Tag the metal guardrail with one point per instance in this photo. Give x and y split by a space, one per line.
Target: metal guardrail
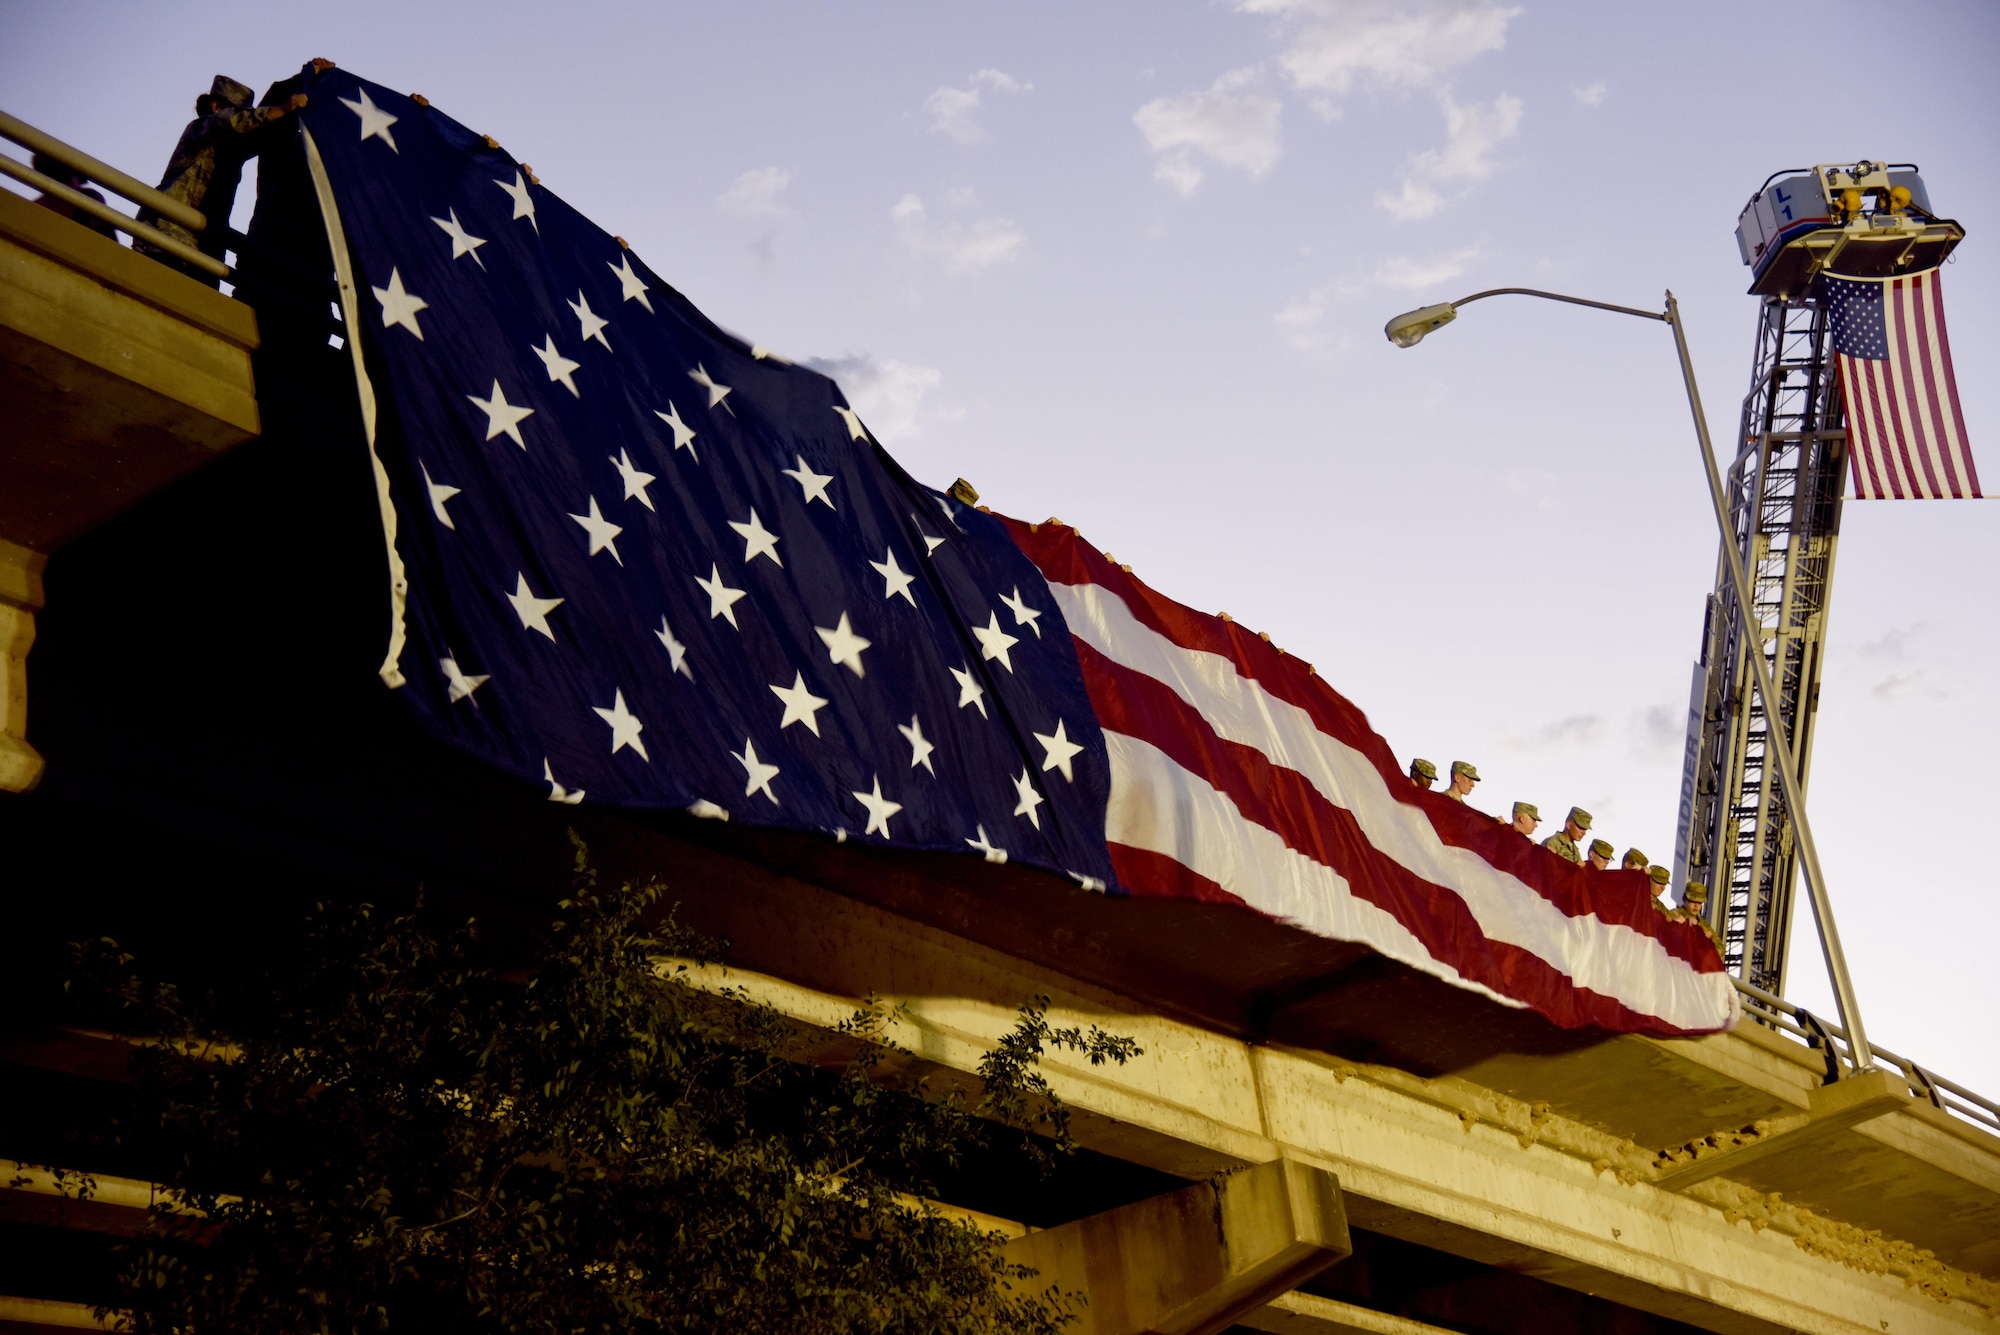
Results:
126 187
1831 1041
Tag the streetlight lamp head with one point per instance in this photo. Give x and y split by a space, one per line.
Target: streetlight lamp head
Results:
1407 330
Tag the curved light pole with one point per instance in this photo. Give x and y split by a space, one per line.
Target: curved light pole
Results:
1409 329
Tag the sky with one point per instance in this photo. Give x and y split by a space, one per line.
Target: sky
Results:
1128 264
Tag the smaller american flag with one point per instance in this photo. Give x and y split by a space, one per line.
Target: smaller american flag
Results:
1903 421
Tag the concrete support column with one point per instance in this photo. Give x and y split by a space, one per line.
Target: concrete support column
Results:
1195 1261
20 599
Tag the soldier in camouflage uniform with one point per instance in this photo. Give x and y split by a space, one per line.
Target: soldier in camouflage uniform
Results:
1634 860
207 166
1694 899
1463 776
1526 818
1600 855
1659 877
1563 842
1423 774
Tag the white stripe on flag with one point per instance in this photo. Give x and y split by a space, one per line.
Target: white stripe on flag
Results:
1608 958
1908 365
1951 431
1159 805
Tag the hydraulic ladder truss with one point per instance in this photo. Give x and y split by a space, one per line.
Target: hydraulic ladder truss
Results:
1785 489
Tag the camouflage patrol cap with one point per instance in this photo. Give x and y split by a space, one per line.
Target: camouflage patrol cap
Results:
227 90
1660 875
1601 848
1425 768
1527 809
1695 893
1459 767
1634 858
1579 817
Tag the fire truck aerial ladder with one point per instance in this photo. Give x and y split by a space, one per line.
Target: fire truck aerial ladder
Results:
1856 220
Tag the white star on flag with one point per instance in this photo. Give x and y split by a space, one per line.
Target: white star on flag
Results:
375 122
721 598
462 241
1024 788
630 285
1060 750
603 533
559 366
994 642
634 480
757 540
716 393
625 727
811 483
558 793
439 494
930 544
398 305
457 685
879 807
502 415
1024 615
760 774
593 325
920 745
855 431
843 646
801 705
970 692
984 846
524 203
683 434
894 577
533 611
676 651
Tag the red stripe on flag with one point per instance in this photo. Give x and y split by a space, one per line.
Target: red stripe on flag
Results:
1860 458
1150 875
1938 430
1889 444
1285 802
1065 558
1910 379
1961 447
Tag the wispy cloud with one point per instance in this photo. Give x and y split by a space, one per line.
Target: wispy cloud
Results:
959 246
1897 685
954 111
1336 47
1416 274
1301 321
1590 95
1474 132
1893 643
1574 730
1660 728
888 394
756 194
1230 122
1337 44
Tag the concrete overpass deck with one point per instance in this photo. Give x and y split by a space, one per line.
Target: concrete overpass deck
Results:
1719 1182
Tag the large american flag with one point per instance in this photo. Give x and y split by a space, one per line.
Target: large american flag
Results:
636 560
1906 435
